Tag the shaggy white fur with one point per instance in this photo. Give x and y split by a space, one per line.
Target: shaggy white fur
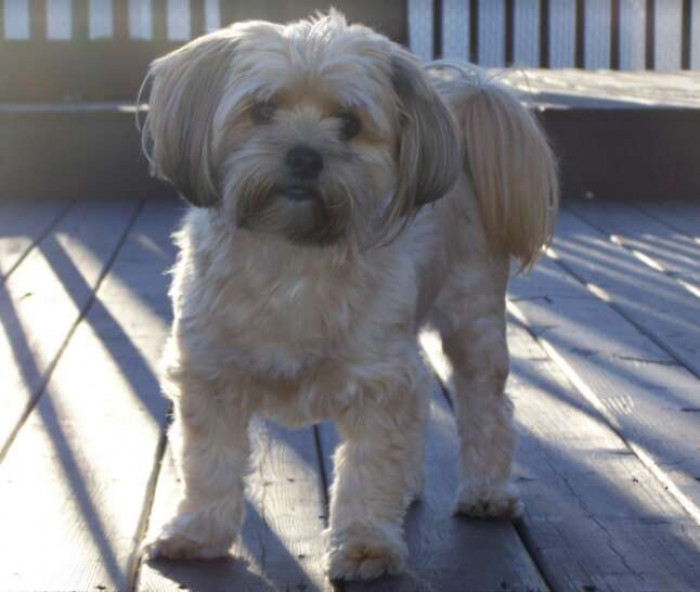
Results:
310 263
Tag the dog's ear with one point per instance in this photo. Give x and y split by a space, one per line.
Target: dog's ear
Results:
429 153
187 86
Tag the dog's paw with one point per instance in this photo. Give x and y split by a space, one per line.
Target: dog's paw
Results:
182 538
177 546
364 552
479 501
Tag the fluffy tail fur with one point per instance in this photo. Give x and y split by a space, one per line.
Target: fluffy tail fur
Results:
507 158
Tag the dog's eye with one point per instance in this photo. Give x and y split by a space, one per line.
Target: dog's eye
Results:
349 125
263 111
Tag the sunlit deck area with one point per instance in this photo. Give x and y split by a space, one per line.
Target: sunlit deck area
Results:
605 344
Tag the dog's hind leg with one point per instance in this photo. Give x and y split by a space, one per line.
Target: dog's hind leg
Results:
210 443
470 315
378 472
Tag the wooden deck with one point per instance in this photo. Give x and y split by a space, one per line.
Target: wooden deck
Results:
605 341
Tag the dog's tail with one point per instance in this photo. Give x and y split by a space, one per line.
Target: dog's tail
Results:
508 159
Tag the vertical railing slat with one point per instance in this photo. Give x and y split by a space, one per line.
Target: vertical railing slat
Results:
562 33
632 34
526 33
59 20
668 35
197 18
695 35
455 29
37 20
212 18
141 19
79 18
160 20
100 19
179 20
420 28
597 34
491 32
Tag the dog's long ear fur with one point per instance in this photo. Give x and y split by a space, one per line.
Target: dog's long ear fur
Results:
429 151
187 86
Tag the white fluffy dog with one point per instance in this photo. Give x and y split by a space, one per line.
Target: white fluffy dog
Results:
309 263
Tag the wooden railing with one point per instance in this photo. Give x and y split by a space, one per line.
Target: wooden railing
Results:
97 50
593 34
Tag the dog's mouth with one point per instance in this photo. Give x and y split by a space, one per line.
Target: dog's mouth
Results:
299 193
298 211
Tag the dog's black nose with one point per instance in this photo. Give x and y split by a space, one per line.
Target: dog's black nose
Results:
304 161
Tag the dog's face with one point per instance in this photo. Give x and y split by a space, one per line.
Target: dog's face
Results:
315 131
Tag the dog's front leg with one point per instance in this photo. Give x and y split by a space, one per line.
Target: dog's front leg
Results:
378 471
211 447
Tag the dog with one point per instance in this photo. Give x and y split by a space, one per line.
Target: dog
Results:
343 197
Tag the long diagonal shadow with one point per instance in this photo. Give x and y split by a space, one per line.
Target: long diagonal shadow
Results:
37 379
108 330
24 360
67 461
150 238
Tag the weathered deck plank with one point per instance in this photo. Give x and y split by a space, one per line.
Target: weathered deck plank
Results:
640 389
281 545
652 242
589 500
447 553
22 225
75 483
44 298
681 216
650 300
596 517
